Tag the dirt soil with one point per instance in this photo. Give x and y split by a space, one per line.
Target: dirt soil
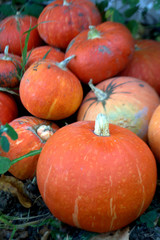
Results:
37 223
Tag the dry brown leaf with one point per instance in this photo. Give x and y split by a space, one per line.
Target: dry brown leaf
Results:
16 188
122 234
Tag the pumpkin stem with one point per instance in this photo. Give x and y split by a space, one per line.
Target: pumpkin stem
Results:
64 63
44 132
136 48
93 33
101 95
65 3
101 125
6 56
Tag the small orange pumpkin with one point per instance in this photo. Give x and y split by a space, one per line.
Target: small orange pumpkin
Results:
8 108
50 91
10 65
62 20
32 135
46 52
12 33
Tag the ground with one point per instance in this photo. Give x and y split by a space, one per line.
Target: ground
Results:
37 223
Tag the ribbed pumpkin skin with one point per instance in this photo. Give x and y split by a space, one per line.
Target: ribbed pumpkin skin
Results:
129 103
154 133
28 140
39 53
49 92
9 70
145 63
12 29
59 24
93 182
101 57
8 108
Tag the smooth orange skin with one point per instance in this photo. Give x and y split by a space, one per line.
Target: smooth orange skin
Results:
154 133
101 58
49 92
9 70
27 141
130 105
38 53
96 183
9 26
71 21
145 63
8 108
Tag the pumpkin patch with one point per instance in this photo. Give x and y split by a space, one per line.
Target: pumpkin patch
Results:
79 121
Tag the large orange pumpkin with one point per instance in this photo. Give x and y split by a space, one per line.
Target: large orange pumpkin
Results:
32 135
50 91
154 133
128 102
101 52
97 180
62 20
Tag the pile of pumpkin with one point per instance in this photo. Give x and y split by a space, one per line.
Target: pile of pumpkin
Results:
98 173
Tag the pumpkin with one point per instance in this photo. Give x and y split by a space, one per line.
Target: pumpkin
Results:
32 135
12 33
101 52
61 20
97 178
44 52
128 102
8 108
154 133
10 65
50 91
145 63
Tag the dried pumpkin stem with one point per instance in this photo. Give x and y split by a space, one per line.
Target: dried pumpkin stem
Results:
45 132
93 33
65 3
101 95
64 63
6 57
102 125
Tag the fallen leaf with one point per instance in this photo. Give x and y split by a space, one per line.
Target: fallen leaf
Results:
122 234
16 188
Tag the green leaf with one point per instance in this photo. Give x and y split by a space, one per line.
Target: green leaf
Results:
31 153
44 57
114 15
4 143
33 9
129 12
132 3
149 218
133 26
5 164
11 132
157 4
2 89
102 5
7 9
